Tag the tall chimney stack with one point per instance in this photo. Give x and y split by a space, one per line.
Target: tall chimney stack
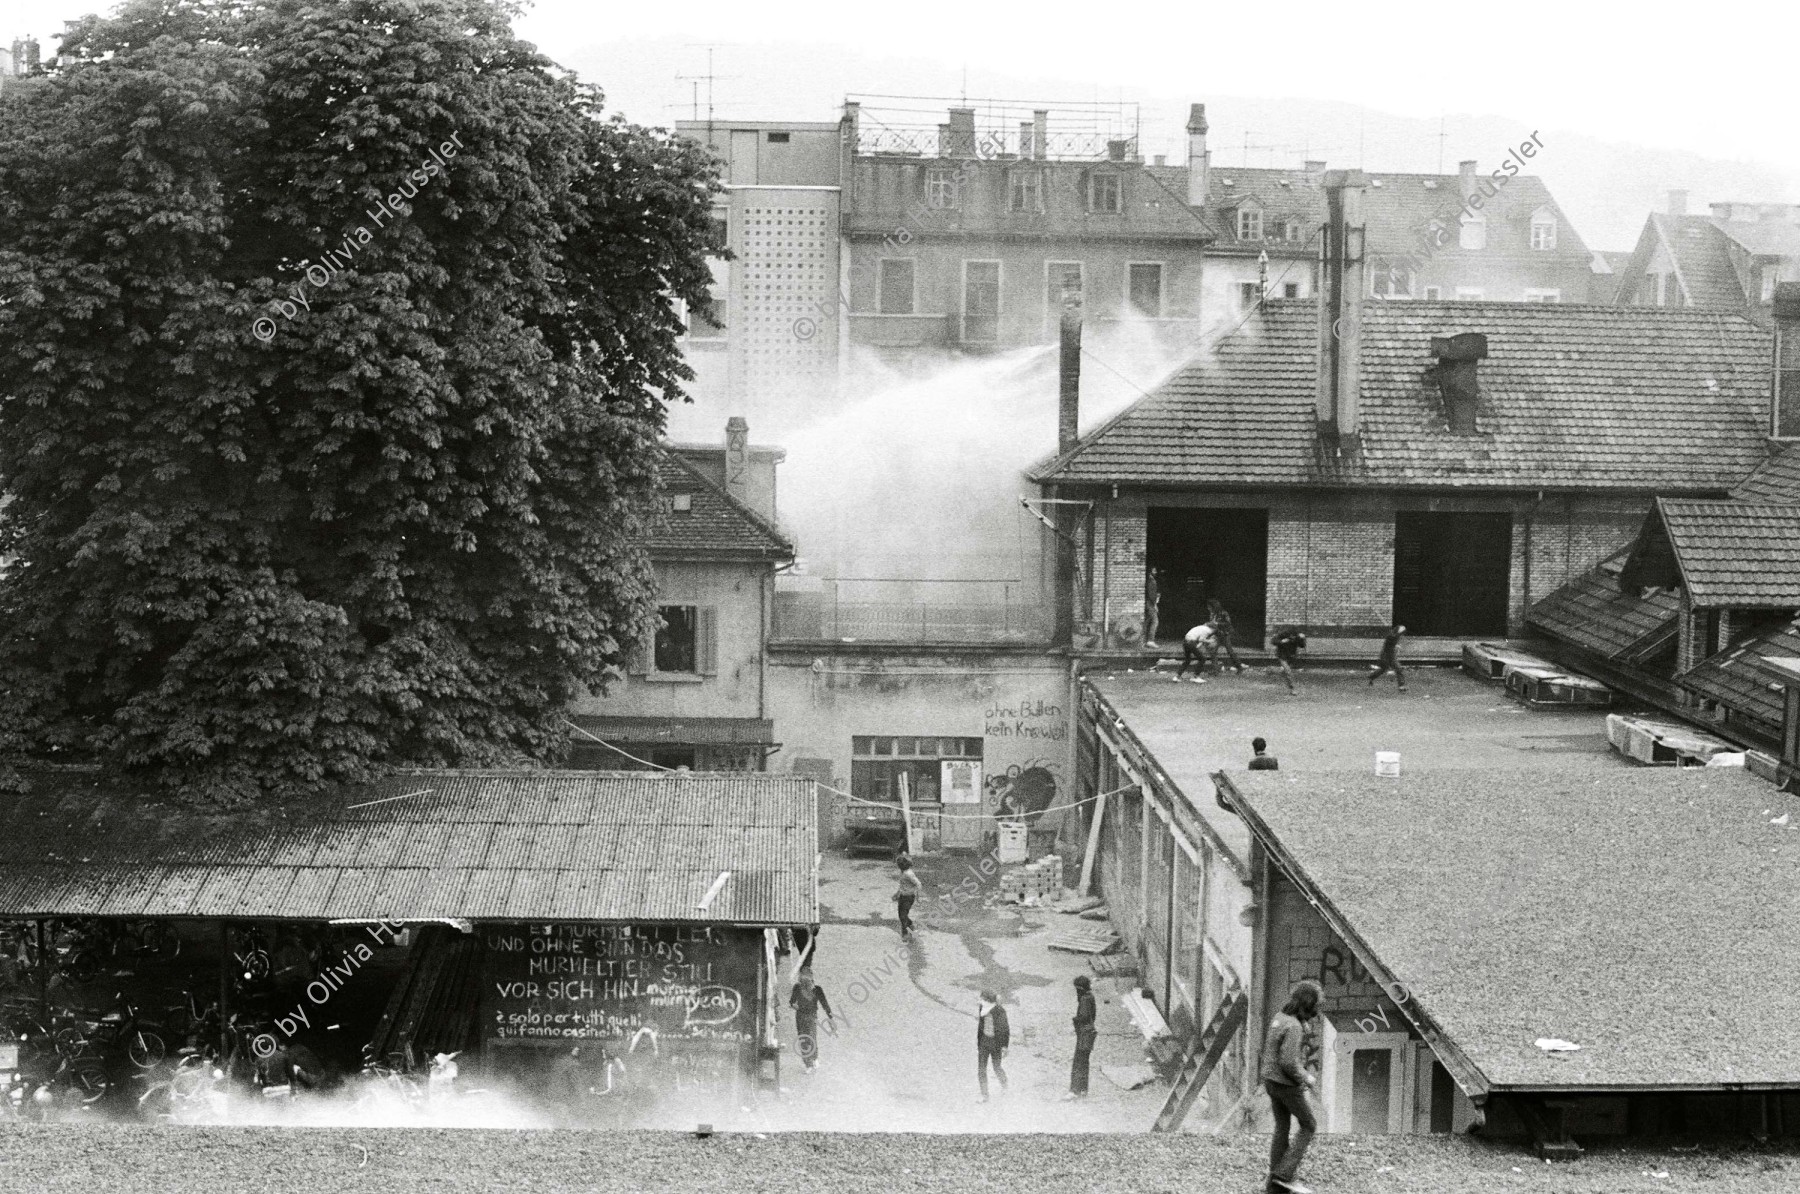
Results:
1343 282
1678 203
1025 154
1466 177
1199 160
1040 133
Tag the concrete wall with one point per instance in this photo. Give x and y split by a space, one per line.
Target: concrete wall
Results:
736 690
1331 556
1018 704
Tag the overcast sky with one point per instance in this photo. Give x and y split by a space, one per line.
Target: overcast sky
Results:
1700 88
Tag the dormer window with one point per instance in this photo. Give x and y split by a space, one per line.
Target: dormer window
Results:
1026 189
1249 223
1105 193
940 189
1543 229
1292 230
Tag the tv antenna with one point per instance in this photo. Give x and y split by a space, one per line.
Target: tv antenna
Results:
709 78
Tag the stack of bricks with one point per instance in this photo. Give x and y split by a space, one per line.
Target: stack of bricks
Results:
1042 879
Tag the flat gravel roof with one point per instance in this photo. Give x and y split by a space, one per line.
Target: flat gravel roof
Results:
1650 916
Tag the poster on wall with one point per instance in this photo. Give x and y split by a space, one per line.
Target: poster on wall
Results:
960 781
673 1002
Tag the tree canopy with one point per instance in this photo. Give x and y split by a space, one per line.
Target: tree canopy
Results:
334 345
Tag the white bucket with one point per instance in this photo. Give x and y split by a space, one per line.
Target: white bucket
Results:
1387 762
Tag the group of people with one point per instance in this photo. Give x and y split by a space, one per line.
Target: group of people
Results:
1201 646
993 1032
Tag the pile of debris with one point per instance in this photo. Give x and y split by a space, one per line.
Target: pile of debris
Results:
1035 882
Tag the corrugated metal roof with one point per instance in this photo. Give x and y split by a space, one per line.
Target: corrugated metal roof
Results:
517 846
678 731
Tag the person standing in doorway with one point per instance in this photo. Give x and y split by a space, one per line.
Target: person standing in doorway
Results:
1288 645
1085 1035
1198 647
1260 761
992 1036
808 999
1389 659
906 893
1152 604
1289 1084
1220 621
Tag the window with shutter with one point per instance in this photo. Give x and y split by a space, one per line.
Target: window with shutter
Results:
677 639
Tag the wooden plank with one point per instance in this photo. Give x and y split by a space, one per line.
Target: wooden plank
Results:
1093 846
1202 1060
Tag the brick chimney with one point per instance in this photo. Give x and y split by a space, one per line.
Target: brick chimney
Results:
1678 203
1456 380
1466 178
1199 160
1025 129
961 134
1343 283
1040 133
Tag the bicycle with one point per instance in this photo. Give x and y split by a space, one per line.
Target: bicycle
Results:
119 1030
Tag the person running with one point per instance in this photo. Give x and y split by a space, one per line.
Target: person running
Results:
807 999
1152 605
1260 761
1288 1084
1085 1035
1287 646
910 885
992 1036
1389 659
1198 646
1220 621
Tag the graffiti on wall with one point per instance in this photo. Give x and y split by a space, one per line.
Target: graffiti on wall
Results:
1023 791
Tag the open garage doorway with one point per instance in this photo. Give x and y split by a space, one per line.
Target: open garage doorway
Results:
1209 552
1452 573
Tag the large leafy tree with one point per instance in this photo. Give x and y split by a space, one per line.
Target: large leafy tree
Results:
334 343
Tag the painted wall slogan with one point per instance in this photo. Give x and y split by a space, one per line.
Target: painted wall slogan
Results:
658 990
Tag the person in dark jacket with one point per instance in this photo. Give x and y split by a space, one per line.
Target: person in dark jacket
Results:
1084 1037
1288 1084
1389 659
1260 761
1152 605
1221 624
1288 645
808 999
992 1036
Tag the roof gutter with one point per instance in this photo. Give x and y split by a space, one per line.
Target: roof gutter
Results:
1465 1072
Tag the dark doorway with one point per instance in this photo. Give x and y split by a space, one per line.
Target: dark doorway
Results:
1371 1090
1204 553
1452 573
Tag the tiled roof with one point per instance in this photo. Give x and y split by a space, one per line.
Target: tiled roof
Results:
473 845
1591 612
1741 679
1701 258
716 525
1573 397
1649 916
1777 479
1734 554
1398 209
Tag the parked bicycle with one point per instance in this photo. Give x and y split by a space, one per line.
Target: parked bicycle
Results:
119 1031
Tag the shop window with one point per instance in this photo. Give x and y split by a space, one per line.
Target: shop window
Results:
898 285
1145 286
877 763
